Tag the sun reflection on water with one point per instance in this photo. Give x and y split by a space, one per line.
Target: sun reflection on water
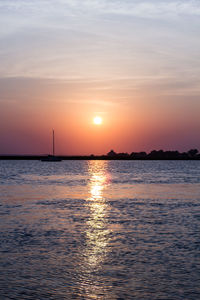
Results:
97 231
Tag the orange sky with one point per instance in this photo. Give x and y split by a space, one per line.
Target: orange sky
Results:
140 122
135 65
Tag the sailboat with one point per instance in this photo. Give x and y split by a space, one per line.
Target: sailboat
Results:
52 157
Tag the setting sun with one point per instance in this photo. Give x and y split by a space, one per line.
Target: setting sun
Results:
97 120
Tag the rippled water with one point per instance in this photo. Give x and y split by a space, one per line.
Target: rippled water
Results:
100 230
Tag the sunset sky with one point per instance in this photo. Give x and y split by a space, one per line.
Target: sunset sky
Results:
134 63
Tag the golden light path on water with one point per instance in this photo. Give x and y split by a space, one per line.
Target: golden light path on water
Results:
97 232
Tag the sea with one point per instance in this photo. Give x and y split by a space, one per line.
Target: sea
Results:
100 230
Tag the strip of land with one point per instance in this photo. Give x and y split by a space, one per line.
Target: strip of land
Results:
192 154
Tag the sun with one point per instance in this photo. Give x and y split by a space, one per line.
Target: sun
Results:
97 120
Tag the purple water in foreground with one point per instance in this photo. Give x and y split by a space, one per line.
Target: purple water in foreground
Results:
100 230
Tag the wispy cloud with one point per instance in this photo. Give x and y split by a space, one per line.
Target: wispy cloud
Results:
91 39
154 8
142 8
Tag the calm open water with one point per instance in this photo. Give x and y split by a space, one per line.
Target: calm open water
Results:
100 230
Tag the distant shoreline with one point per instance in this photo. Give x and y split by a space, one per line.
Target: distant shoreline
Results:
102 157
192 154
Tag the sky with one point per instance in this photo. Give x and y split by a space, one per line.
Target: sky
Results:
134 63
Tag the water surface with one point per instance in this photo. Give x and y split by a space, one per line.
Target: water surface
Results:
100 230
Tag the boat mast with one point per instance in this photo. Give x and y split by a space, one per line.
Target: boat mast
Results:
53 144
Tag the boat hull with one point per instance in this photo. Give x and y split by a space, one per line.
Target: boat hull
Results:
51 158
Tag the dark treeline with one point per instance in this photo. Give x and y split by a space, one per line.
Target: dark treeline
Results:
157 154
192 154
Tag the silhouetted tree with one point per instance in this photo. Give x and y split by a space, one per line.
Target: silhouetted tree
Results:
138 155
192 153
111 153
122 154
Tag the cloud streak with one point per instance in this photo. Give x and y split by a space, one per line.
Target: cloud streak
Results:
140 8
